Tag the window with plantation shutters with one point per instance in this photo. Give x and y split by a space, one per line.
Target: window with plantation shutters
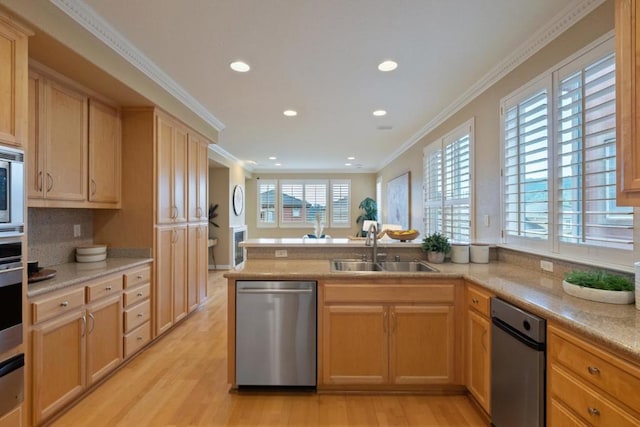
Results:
447 185
267 196
586 157
340 203
526 169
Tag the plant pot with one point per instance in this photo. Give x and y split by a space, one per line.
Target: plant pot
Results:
435 257
599 295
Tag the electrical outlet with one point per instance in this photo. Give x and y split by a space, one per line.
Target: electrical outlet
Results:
546 266
281 253
486 221
77 231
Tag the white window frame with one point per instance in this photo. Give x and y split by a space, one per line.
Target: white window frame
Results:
259 222
334 223
467 128
551 78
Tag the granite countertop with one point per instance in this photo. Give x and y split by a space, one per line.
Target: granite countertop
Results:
614 326
73 273
324 243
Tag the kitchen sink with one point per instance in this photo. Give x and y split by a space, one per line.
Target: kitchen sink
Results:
390 266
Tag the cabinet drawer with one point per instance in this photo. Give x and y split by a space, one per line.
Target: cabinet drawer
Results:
616 377
479 300
104 287
137 339
63 302
559 416
441 293
137 315
136 277
134 296
587 403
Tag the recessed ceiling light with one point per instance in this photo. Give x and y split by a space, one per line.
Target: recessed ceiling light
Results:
351 158
252 162
278 164
387 65
290 113
347 164
379 113
240 66
272 158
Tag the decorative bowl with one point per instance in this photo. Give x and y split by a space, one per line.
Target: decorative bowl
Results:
599 295
403 235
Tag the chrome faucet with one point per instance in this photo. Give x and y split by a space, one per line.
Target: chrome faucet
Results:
373 230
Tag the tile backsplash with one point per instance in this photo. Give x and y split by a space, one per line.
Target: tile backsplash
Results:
50 234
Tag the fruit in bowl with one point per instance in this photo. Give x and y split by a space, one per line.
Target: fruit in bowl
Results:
403 235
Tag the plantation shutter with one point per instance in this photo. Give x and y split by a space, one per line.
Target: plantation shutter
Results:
267 191
340 201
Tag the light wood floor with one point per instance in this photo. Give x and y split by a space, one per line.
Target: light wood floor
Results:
181 381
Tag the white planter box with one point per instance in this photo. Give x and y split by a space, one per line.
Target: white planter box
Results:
599 295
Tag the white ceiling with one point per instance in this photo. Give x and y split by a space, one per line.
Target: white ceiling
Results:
319 57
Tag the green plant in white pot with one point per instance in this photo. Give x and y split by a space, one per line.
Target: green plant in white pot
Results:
436 246
599 286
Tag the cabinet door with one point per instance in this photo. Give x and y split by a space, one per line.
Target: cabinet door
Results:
59 367
180 174
35 140
192 267
13 75
179 249
198 177
66 143
164 280
104 153
202 273
422 344
355 344
203 181
164 131
12 419
478 358
104 337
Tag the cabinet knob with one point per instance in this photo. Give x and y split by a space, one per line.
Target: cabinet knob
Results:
593 411
108 288
475 300
593 370
64 303
139 294
140 314
139 276
139 338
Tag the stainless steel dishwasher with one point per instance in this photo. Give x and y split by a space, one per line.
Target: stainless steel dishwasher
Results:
275 333
517 366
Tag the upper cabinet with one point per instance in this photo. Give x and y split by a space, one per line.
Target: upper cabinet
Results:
74 147
198 167
171 170
13 84
627 103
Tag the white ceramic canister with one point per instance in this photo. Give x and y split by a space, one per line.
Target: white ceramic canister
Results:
479 253
637 269
460 253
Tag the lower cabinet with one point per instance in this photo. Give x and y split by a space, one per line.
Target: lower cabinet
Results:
197 237
12 419
588 385
386 340
478 345
104 337
171 277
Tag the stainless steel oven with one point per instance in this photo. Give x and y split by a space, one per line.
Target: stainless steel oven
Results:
10 295
11 192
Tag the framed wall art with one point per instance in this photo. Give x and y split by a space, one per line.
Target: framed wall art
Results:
399 201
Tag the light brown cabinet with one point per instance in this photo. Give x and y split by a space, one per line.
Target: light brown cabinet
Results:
478 345
171 278
104 336
13 82
198 179
104 153
13 418
171 170
588 385
627 102
57 142
388 334
197 265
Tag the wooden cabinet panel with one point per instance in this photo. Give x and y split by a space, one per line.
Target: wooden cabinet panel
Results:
422 344
104 337
35 140
137 339
12 419
179 249
164 281
136 295
479 300
13 84
355 344
364 293
202 272
137 315
180 174
103 287
198 177
59 363
66 143
478 358
137 276
61 302
558 415
171 171
197 265
104 153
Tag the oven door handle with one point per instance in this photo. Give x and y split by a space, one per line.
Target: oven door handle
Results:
10 276
11 365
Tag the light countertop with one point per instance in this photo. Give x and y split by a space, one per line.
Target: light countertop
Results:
614 326
325 243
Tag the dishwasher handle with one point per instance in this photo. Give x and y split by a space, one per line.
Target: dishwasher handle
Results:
274 291
539 346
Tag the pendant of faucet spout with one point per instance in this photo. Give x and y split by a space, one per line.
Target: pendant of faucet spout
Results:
372 231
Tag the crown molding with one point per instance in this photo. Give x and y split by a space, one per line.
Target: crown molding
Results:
85 16
562 22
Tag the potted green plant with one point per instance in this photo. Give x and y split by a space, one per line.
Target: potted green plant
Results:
370 208
436 245
599 286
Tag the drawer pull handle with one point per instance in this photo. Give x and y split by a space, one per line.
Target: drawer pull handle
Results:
64 304
593 411
139 338
593 370
139 294
140 314
108 288
475 300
